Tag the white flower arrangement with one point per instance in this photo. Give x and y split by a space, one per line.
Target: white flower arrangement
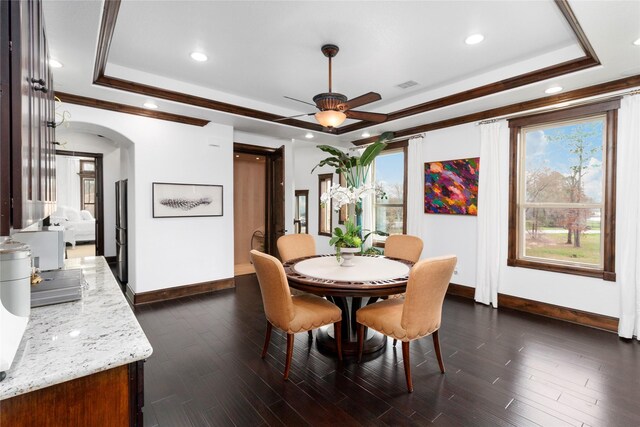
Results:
349 195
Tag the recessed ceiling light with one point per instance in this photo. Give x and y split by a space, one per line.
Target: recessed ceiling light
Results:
474 39
309 135
637 42
55 63
150 105
237 155
198 56
257 158
554 89
366 134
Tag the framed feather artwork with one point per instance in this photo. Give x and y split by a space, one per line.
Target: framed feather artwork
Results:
186 200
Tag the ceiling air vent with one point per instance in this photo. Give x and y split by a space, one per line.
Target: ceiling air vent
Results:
407 84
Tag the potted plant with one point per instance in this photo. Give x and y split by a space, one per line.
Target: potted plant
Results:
355 170
347 242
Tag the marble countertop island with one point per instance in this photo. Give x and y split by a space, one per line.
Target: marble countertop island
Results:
71 340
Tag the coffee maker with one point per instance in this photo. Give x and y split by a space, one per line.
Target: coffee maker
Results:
15 299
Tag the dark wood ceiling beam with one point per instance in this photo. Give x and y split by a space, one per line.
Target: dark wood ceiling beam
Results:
197 101
568 14
128 109
107 28
482 91
601 89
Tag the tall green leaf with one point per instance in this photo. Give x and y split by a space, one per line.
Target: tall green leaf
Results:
374 149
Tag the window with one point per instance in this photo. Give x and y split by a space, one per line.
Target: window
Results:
562 191
302 206
88 186
389 171
324 212
342 213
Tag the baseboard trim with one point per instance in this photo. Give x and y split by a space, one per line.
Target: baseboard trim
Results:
110 259
571 315
461 290
182 291
129 294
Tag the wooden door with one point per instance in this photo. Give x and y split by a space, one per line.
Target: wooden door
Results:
277 200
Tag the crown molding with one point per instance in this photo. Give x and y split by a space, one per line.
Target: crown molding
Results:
107 28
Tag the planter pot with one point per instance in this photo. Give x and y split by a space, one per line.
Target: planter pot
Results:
347 255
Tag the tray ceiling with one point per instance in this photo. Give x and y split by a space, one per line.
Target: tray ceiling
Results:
260 51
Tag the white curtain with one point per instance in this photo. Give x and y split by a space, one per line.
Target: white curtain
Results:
367 212
68 181
490 200
628 208
415 189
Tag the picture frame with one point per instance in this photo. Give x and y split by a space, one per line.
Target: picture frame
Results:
173 200
451 186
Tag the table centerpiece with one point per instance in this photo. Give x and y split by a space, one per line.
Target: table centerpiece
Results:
355 170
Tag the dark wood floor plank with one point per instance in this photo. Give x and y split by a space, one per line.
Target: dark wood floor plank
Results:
170 412
504 368
287 415
535 415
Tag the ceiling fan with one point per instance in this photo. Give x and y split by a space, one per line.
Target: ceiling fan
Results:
335 107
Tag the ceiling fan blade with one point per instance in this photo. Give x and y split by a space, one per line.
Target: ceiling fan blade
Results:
304 102
293 117
358 101
369 117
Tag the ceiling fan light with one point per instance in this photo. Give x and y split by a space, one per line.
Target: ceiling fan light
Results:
330 118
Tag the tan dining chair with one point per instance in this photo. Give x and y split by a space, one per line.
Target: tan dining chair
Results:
403 246
292 246
417 315
288 313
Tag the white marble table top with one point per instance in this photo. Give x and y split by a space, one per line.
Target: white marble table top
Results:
67 341
365 269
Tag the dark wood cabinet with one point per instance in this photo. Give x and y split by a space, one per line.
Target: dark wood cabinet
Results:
114 397
27 163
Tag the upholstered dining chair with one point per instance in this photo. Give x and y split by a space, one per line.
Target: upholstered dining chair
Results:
288 313
292 246
417 315
403 246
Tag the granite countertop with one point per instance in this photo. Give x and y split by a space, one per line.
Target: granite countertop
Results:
67 341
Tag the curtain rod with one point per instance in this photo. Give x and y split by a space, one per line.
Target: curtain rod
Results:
401 138
560 106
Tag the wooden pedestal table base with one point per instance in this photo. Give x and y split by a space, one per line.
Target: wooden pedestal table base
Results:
369 279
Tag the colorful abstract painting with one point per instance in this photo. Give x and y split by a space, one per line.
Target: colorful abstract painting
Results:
451 187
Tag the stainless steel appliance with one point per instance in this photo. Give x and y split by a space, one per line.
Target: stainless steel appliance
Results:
57 286
15 299
121 232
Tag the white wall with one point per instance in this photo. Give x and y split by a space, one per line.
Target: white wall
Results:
89 143
306 156
458 234
169 252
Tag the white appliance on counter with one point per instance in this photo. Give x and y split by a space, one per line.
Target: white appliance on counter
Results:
15 299
47 247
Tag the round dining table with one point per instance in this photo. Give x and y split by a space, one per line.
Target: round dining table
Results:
370 278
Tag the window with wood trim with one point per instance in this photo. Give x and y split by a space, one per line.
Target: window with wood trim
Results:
390 172
325 218
562 190
88 186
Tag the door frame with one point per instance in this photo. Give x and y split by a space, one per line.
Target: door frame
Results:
99 195
270 154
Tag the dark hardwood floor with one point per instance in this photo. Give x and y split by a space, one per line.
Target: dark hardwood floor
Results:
503 368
